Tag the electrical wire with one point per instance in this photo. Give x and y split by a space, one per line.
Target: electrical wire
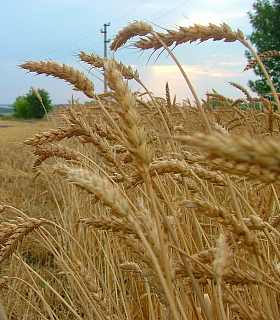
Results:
80 37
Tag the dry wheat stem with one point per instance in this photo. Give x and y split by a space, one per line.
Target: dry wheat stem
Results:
88 258
2 312
165 288
185 262
263 294
64 261
274 93
28 302
31 271
198 103
164 254
240 308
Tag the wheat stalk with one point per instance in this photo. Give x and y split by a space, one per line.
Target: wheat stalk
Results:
2 311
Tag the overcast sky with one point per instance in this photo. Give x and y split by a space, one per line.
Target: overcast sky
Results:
59 29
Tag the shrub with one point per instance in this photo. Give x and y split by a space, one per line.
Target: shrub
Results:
35 104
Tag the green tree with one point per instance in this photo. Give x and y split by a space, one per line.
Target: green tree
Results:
265 20
21 107
30 106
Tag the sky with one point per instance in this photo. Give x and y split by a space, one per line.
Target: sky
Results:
58 30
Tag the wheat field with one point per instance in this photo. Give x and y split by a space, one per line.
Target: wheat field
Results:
133 206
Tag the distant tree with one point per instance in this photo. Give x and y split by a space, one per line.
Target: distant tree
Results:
30 106
265 20
21 107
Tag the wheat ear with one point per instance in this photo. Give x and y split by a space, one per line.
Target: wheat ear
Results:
22 228
50 136
62 71
262 56
137 28
103 188
98 62
136 137
264 153
54 150
190 34
223 255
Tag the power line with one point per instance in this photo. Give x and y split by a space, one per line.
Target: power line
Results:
72 40
84 35
165 14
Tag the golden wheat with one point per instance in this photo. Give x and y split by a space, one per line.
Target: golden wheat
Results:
263 56
175 214
62 71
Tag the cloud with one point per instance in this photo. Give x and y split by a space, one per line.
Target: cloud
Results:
230 63
204 12
173 71
203 78
204 18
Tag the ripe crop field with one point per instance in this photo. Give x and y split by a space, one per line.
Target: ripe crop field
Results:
135 207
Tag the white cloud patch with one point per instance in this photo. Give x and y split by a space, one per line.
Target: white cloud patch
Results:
230 63
204 12
173 71
204 18
204 79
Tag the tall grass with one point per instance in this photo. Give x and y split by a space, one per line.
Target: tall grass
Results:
160 210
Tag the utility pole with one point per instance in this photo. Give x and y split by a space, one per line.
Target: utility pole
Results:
105 49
